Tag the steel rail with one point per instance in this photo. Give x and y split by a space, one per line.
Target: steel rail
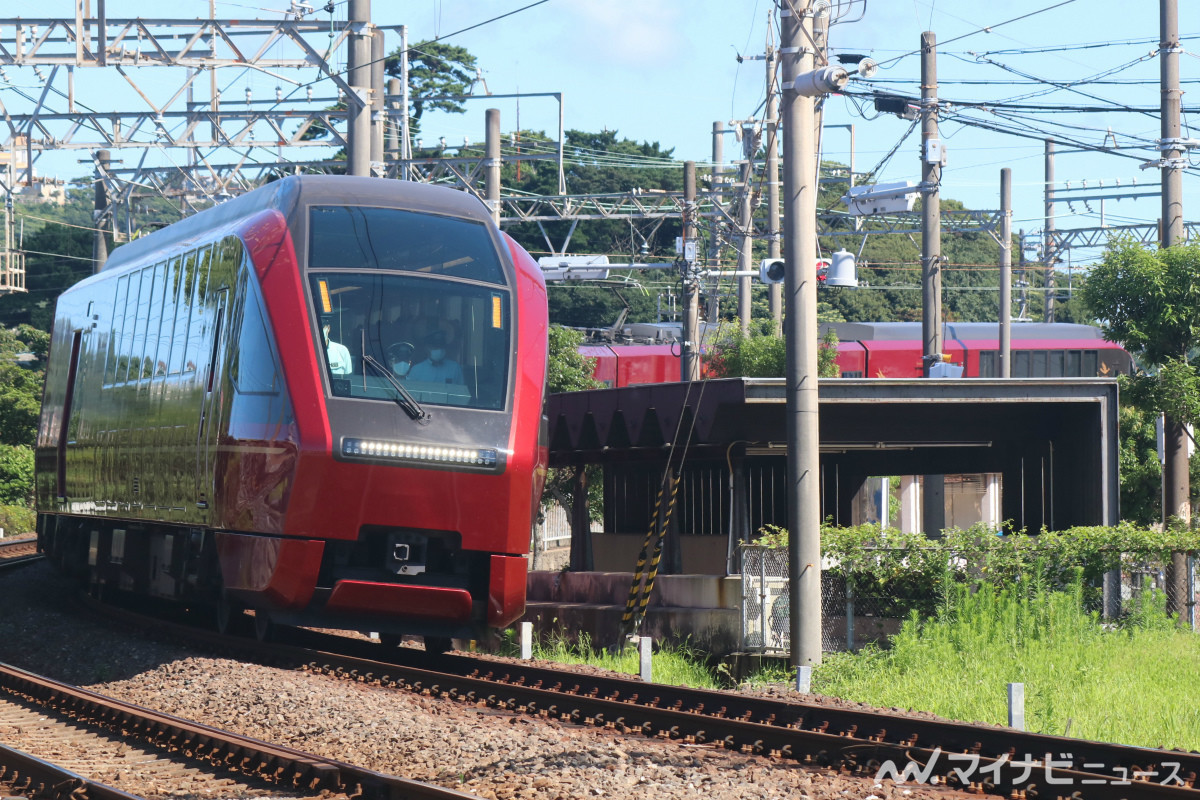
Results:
26 776
18 552
201 743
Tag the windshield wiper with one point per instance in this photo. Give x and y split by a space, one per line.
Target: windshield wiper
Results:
403 398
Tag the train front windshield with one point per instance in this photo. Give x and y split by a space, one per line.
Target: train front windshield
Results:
410 297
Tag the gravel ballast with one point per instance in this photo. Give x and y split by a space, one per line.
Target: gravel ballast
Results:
489 753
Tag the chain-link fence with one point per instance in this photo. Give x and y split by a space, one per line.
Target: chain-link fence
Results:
852 616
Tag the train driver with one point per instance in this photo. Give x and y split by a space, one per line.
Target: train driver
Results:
400 358
339 355
437 368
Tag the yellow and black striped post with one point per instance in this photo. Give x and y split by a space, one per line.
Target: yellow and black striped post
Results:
635 609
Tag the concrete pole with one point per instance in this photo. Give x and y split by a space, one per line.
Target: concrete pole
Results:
101 34
492 143
1048 253
1005 273
931 210
405 131
99 243
745 229
800 328
358 73
689 351
718 156
1176 489
1022 280
378 118
391 144
775 290
1172 152
718 198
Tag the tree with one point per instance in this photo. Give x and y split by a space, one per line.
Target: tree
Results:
1149 301
58 257
20 386
16 475
764 356
436 73
568 369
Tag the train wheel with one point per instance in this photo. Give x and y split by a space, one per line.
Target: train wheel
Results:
438 644
264 627
230 616
390 640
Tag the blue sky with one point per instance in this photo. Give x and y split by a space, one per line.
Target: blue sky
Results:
664 70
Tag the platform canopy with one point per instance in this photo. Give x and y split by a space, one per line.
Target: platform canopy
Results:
1053 440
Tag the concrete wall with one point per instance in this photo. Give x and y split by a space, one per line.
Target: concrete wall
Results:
614 552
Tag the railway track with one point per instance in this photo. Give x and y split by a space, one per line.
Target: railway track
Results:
17 552
106 749
980 759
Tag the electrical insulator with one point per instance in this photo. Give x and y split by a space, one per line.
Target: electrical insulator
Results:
278 94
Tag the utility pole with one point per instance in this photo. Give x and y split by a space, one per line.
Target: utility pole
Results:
492 175
775 296
689 361
797 117
1177 502
358 107
1005 273
392 143
405 133
1048 254
745 226
931 210
378 118
717 186
1022 280
933 486
100 215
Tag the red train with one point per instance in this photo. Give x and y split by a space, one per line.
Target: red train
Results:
321 400
894 350
1039 350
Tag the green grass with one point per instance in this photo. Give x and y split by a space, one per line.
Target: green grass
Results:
1134 684
673 665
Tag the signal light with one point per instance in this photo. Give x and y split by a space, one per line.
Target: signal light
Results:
772 270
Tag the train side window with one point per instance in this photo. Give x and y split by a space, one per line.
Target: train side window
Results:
252 368
166 335
1021 364
1057 359
140 321
226 258
1039 364
1091 363
180 284
987 364
1074 363
114 337
195 281
154 320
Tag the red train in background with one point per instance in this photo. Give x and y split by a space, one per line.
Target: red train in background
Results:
892 350
321 400
1039 350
